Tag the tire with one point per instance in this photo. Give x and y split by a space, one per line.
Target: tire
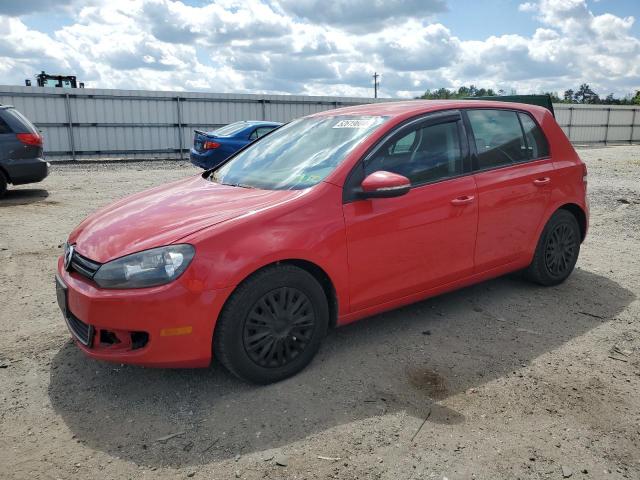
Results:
279 313
3 184
557 250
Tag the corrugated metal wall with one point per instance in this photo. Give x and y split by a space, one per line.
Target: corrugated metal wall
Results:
95 123
593 124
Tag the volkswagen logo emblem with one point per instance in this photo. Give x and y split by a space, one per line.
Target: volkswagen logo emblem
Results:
68 255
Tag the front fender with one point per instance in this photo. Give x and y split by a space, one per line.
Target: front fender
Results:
309 228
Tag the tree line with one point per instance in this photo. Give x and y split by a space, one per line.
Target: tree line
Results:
583 94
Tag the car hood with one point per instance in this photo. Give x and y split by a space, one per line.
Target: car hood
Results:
166 214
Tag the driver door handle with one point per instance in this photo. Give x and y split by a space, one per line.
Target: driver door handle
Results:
463 200
540 182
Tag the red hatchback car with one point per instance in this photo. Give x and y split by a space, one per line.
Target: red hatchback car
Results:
330 218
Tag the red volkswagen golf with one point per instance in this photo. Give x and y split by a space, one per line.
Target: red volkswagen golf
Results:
331 218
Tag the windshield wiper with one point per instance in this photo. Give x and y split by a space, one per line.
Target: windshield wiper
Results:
237 184
241 185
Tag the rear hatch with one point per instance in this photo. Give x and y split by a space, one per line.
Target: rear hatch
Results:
16 126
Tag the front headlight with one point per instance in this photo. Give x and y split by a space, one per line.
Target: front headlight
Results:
146 269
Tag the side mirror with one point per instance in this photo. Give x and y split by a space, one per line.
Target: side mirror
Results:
382 184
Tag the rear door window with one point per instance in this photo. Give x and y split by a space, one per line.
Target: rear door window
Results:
499 138
259 132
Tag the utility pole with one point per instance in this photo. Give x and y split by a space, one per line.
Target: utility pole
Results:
375 84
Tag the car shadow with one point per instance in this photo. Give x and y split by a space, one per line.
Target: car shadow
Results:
23 196
405 360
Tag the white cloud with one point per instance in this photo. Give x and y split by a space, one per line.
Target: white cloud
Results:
285 46
415 47
358 15
527 7
22 46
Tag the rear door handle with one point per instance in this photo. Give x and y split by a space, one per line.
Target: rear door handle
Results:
539 182
464 200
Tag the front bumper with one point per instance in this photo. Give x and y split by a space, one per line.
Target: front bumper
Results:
167 326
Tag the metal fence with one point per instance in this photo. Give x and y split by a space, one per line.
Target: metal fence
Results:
599 124
96 124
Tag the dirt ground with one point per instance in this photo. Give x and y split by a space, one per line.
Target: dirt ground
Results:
502 380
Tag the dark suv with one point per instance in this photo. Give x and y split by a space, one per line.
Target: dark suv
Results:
20 150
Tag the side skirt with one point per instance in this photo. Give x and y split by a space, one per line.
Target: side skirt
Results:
423 295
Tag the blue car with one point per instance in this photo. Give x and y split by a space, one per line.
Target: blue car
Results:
210 149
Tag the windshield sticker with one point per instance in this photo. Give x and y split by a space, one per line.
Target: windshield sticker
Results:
305 177
355 123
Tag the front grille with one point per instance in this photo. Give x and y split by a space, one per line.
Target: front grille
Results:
80 330
83 265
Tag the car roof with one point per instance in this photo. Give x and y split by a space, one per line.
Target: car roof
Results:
259 122
411 108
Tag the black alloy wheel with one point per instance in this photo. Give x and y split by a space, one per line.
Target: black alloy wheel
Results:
272 325
278 327
561 250
557 250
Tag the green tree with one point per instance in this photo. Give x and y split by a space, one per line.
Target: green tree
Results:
465 91
461 92
568 96
586 95
611 100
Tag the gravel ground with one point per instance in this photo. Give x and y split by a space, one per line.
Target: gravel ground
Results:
500 380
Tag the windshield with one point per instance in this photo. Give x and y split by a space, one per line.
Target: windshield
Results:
230 129
297 155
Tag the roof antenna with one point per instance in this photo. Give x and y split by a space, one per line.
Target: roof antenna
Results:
375 84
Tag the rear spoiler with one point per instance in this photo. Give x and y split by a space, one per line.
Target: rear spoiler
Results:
206 134
539 100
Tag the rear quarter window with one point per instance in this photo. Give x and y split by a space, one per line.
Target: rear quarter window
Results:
4 128
537 144
20 123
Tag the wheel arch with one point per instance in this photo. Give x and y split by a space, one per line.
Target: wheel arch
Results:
324 280
580 215
575 209
315 270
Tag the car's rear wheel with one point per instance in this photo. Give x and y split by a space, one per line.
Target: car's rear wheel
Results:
3 183
557 250
272 325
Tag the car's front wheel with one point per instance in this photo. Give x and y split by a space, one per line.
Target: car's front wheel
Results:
272 325
557 250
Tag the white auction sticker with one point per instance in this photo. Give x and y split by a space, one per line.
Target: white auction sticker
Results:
355 123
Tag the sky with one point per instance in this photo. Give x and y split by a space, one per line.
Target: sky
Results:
325 47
